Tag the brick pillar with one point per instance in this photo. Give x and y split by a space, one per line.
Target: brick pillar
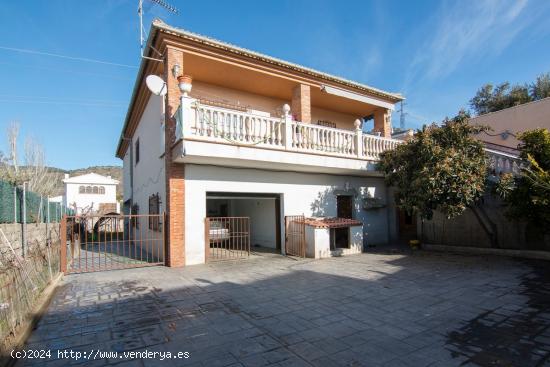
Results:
175 178
301 103
382 122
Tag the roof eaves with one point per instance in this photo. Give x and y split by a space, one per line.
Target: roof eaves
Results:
272 60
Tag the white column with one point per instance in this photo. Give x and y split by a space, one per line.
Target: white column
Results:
287 119
358 138
186 117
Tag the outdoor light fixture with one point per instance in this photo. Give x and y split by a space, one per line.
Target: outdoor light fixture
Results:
176 70
185 84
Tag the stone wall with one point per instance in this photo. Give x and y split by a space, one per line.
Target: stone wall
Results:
36 235
23 278
477 229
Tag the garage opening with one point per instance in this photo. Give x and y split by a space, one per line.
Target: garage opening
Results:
240 223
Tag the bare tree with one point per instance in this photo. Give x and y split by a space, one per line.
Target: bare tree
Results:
34 172
9 164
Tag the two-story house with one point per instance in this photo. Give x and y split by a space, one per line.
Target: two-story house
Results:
243 135
90 193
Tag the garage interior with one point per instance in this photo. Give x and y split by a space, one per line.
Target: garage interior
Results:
263 211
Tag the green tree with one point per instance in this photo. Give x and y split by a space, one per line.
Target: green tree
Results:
442 168
528 195
491 99
541 87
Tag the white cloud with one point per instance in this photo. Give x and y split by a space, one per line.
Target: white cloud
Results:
463 31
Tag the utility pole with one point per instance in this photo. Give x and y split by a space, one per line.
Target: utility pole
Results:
402 115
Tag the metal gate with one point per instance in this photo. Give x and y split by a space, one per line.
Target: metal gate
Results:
227 238
295 235
112 241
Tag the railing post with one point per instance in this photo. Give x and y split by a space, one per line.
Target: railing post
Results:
63 245
185 118
287 119
358 138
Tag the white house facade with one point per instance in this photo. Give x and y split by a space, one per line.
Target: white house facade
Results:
91 193
254 141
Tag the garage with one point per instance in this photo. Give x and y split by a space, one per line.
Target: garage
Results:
240 223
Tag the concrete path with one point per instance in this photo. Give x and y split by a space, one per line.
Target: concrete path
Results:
421 309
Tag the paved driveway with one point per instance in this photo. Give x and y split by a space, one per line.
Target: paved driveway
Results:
365 310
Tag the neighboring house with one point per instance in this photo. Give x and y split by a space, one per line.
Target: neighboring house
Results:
508 123
91 193
255 137
501 141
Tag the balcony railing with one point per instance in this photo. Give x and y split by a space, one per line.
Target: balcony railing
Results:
227 126
501 162
217 124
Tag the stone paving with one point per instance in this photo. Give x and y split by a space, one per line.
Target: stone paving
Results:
419 309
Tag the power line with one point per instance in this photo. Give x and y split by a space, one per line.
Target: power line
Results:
85 100
63 70
34 52
119 105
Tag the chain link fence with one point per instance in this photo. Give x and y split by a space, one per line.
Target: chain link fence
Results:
14 201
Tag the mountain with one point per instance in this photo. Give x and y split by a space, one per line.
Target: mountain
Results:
114 171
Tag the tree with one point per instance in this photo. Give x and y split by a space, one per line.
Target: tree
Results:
541 87
528 195
34 172
441 168
491 99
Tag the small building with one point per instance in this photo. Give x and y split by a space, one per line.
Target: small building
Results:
91 193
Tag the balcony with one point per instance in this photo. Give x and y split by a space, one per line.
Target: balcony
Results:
208 134
216 135
500 162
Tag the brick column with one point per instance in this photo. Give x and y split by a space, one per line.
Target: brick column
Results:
175 172
301 103
382 122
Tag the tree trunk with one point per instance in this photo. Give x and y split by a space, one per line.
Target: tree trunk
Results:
489 227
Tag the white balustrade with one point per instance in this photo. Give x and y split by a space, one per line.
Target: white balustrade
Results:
374 145
321 139
240 128
500 162
234 127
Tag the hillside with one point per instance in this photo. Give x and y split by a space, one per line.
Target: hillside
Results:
114 171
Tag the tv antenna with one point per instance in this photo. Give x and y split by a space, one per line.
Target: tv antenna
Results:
402 115
165 5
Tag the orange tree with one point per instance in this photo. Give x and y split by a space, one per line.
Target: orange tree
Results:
441 168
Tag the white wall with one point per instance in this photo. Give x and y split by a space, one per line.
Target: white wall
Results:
127 188
83 201
262 219
302 193
148 173
318 242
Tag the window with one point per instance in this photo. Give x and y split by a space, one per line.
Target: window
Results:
81 189
326 123
101 190
154 211
88 189
95 190
137 151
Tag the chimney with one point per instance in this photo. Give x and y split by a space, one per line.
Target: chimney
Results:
66 176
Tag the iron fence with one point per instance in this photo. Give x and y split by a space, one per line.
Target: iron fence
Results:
107 242
227 238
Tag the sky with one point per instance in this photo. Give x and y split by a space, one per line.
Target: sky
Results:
67 67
